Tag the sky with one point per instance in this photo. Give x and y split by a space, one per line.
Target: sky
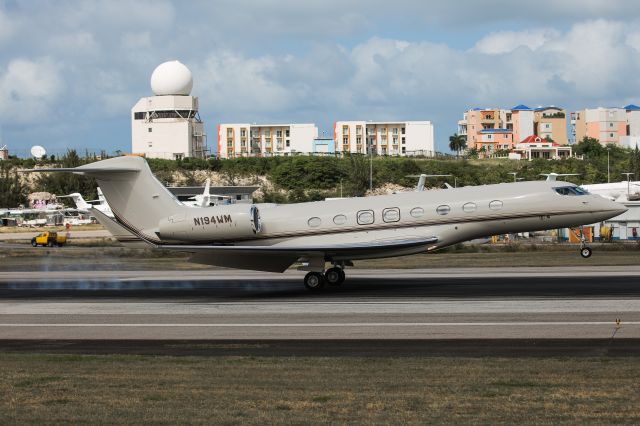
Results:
70 71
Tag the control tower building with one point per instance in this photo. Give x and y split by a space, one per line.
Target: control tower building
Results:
168 125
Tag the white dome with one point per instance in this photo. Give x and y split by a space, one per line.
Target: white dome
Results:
171 78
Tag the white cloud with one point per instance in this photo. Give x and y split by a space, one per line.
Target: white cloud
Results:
79 43
506 41
28 89
231 82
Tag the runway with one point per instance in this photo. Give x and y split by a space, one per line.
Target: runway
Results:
391 305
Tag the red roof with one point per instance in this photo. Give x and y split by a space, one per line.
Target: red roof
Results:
536 139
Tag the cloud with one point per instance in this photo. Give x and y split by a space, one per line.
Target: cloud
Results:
507 41
313 61
29 89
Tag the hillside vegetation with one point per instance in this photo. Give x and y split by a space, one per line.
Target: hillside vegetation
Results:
303 178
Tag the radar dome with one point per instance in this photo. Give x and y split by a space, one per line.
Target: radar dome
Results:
171 78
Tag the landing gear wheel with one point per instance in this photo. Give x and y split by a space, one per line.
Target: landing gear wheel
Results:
33 243
50 244
314 281
585 252
334 276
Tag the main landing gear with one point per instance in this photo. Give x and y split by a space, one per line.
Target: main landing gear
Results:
316 281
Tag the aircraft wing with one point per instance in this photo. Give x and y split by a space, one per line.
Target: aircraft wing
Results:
278 257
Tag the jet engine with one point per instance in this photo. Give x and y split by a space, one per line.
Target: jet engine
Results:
211 224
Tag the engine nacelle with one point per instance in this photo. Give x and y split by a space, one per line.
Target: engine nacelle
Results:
211 224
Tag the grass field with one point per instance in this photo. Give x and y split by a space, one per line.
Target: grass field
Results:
68 389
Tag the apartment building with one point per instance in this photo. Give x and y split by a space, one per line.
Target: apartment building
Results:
402 138
551 123
247 140
632 138
607 125
492 129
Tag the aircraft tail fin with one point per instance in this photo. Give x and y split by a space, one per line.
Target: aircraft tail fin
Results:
137 199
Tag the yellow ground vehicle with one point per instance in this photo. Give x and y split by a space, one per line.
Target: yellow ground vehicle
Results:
49 239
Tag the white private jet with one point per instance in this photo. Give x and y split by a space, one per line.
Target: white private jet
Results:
273 237
204 199
616 191
102 204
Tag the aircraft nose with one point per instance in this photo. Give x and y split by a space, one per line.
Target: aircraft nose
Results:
609 207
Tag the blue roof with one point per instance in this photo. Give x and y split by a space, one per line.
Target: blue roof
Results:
477 109
632 107
496 131
521 107
548 107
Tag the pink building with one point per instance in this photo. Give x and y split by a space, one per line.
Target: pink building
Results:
608 125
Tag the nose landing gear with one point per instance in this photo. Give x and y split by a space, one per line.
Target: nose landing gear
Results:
585 251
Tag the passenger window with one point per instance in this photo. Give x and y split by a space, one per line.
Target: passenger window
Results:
340 219
469 207
365 217
443 210
495 205
417 212
314 222
391 215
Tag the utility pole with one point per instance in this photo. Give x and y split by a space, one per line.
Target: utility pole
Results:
608 173
371 167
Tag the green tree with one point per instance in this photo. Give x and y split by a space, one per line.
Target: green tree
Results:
12 193
457 143
590 148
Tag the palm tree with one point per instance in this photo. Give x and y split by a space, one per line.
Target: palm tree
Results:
457 143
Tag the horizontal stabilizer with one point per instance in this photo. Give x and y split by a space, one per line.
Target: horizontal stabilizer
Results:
84 170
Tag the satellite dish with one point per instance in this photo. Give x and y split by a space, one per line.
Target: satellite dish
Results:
38 152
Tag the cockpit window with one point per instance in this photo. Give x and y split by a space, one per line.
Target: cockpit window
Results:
571 190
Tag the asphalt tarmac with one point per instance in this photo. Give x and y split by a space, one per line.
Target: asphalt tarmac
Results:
508 310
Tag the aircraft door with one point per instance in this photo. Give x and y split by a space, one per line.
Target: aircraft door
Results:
256 225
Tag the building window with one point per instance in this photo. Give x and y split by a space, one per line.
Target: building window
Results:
359 140
279 133
402 130
287 143
150 129
610 135
138 115
403 140
345 140
243 132
286 133
238 197
150 144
